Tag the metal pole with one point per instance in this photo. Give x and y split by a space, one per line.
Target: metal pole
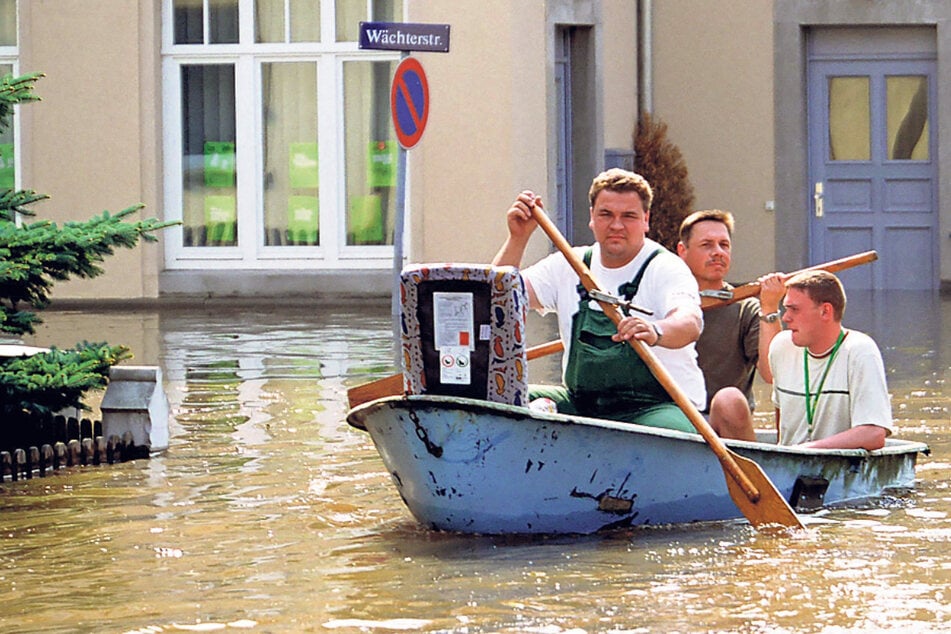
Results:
645 50
398 248
398 253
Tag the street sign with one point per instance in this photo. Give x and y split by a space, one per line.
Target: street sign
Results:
404 36
409 102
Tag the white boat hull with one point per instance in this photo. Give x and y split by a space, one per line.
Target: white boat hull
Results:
477 467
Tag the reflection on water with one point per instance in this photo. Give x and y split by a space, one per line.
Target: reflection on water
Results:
268 513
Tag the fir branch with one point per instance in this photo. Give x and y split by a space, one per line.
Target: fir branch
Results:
48 382
14 202
14 90
35 255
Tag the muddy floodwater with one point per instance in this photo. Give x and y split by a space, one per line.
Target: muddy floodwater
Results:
268 513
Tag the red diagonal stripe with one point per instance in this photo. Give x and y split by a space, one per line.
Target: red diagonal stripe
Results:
404 91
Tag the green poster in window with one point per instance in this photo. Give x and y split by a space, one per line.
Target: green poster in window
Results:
221 215
366 220
302 219
303 166
219 164
381 165
7 174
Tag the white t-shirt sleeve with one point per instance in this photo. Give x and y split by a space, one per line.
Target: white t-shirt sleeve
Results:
869 403
678 288
547 277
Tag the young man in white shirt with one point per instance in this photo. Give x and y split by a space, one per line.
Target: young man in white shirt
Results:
828 381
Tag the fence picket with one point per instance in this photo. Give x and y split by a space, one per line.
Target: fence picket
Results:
60 441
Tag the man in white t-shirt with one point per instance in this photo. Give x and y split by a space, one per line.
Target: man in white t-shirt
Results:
828 382
603 375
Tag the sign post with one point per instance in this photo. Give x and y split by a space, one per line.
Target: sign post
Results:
409 108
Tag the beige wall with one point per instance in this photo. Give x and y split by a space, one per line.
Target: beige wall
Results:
91 144
94 143
492 121
486 135
620 81
713 86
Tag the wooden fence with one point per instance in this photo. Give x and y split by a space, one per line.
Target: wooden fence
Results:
63 442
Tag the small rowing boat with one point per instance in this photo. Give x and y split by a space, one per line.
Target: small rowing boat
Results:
473 466
468 454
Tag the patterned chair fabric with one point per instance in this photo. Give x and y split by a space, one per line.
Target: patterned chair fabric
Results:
463 331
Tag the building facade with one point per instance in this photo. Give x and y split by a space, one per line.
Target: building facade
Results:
821 124
265 130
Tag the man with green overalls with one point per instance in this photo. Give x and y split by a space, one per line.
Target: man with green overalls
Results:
603 376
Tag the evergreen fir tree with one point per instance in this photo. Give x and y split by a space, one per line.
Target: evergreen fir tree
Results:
34 255
658 160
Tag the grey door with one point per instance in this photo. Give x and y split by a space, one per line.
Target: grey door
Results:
872 167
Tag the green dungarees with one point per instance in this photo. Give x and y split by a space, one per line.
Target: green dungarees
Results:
607 379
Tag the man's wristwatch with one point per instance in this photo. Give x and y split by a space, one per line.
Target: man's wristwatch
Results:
770 318
658 332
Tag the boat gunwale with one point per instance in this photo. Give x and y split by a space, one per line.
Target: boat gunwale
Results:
893 446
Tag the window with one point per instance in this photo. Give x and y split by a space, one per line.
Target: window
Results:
287 21
907 117
849 119
281 149
8 66
367 124
291 179
209 193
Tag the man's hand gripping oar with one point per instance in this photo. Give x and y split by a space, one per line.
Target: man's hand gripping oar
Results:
749 487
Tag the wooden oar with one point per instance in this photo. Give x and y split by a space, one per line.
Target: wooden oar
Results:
393 385
750 488
753 288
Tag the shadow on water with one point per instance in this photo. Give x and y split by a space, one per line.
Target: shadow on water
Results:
269 513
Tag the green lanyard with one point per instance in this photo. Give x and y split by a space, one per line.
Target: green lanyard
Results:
811 403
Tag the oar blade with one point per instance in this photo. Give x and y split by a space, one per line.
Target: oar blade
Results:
771 509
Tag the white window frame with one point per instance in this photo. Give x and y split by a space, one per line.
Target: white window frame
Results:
251 253
11 55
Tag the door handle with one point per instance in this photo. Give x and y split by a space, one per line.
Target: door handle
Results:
817 198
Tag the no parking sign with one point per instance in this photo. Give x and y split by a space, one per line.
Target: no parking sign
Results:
409 102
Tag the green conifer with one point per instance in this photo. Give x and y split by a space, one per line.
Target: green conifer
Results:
660 161
34 255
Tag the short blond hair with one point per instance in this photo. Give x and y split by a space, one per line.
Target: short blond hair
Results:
619 180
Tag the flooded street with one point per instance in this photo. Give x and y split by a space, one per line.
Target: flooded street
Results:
268 513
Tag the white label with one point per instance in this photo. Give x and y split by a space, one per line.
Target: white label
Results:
454 365
453 321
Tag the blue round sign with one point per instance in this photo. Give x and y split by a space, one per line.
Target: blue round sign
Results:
409 102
